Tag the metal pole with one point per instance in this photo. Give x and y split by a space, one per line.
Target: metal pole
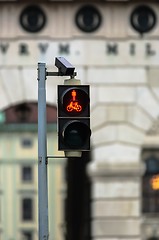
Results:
42 155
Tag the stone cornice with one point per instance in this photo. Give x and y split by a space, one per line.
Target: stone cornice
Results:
116 171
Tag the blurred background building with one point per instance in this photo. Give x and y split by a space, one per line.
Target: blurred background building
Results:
112 193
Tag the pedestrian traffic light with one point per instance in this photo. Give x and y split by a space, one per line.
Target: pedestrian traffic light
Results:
73 118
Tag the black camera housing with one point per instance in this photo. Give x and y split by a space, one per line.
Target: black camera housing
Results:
65 68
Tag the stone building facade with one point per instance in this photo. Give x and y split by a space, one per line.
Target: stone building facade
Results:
116 51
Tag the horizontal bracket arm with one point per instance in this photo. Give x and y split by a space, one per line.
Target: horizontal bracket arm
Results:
59 74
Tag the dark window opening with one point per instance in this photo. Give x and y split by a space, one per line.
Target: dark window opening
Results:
150 185
27 209
27 173
88 19
23 112
143 19
33 19
27 143
27 235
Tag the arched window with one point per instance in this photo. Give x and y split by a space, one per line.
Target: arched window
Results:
150 185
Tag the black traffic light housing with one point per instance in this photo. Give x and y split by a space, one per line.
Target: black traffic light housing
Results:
73 118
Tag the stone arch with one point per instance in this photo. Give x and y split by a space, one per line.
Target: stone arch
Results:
19 84
123 124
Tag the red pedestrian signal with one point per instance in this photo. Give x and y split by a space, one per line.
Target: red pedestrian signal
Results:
74 104
73 100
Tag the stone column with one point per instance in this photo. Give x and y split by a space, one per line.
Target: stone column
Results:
116 201
123 110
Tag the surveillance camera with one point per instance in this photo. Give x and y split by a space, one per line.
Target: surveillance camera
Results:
65 68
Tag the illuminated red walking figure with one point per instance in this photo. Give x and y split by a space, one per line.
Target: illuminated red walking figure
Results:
74 105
